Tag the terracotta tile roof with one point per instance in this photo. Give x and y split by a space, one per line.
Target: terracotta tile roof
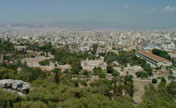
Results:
152 56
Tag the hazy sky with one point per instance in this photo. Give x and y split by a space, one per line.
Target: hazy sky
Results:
149 13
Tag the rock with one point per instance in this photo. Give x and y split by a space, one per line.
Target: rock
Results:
6 83
25 87
14 91
17 85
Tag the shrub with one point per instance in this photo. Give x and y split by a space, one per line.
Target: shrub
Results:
163 80
85 72
44 62
171 77
154 81
142 75
109 69
102 75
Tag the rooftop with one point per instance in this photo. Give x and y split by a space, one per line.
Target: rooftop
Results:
152 56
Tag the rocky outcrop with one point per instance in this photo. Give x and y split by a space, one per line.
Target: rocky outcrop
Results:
15 85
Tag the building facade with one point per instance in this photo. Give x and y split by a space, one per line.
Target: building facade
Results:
152 59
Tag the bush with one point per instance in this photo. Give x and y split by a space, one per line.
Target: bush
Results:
30 104
115 73
6 73
31 74
154 81
158 68
109 69
45 62
163 80
76 67
97 70
148 69
102 75
171 77
32 56
142 75
85 72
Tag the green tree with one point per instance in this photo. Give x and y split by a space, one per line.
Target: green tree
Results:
31 74
109 69
102 86
142 75
30 104
6 73
7 99
115 74
76 67
148 69
171 88
129 86
45 62
161 53
163 80
94 47
156 98
46 48
85 72
154 81
97 70
57 72
110 57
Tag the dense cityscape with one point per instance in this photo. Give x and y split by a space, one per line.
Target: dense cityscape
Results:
87 54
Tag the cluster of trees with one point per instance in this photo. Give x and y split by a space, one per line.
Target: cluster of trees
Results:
147 69
45 62
9 55
46 48
47 94
118 86
124 58
57 89
110 57
163 96
6 73
63 56
50 95
161 53
6 46
98 71
142 75
27 74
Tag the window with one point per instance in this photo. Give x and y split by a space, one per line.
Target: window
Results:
164 62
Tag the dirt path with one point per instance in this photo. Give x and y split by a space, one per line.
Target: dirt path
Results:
139 89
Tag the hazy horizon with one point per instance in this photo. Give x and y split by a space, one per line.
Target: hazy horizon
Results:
134 14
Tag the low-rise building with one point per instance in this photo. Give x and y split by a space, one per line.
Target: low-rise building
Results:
153 59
